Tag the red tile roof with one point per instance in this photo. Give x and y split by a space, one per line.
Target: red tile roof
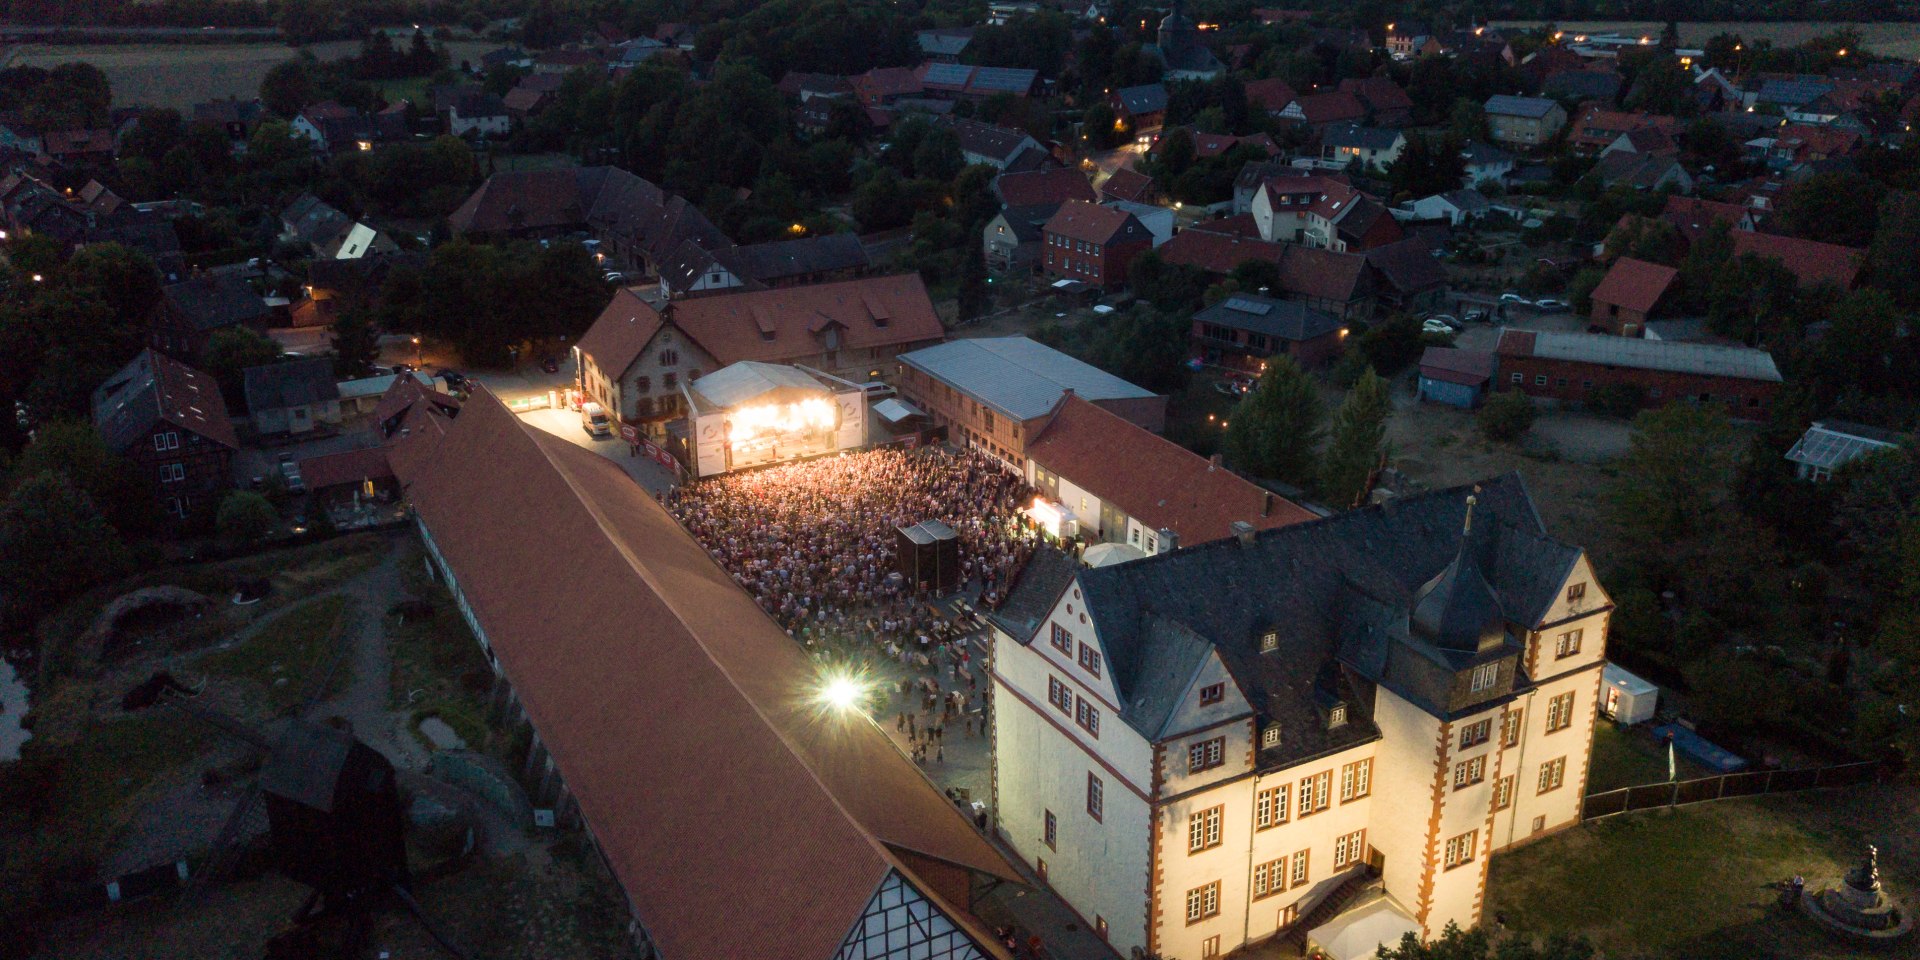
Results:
1270 95
1037 187
1450 364
1152 479
61 143
403 393
1128 184
1080 220
647 657
1214 144
1635 284
883 82
1692 217
1812 262
1332 107
1380 94
624 328
1217 253
869 312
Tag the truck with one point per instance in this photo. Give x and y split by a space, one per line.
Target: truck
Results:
594 420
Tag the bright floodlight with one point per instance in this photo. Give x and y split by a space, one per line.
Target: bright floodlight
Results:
841 693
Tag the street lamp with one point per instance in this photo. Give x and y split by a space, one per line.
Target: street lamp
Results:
416 352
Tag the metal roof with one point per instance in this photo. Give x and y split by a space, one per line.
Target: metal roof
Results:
1017 376
953 74
1835 443
738 383
1008 79
1710 359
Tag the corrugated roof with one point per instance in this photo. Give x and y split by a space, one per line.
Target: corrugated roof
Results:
1017 376
1709 359
678 714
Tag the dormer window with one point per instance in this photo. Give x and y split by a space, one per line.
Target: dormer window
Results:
1269 641
1484 677
1270 737
1337 717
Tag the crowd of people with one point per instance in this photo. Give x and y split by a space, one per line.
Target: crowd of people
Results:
814 541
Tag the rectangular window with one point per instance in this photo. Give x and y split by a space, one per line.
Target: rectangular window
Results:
1087 716
1089 658
1061 639
1540 380
1203 829
1337 716
1269 878
1474 734
1519 378
1552 774
1568 645
1096 797
1059 695
1210 947
1314 793
1349 849
1203 902
1503 792
1466 773
1484 677
1461 849
1270 807
1270 737
169 440
671 380
1578 591
1212 693
1299 869
173 472
1052 836
1269 641
1560 713
1206 754
1511 727
1356 780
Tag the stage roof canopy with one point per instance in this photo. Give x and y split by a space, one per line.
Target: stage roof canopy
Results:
742 383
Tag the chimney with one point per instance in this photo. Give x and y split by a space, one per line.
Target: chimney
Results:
1213 463
1169 541
1266 504
1243 531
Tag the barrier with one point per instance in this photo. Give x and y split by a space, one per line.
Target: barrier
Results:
1725 786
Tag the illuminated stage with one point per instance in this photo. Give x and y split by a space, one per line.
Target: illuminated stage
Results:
753 414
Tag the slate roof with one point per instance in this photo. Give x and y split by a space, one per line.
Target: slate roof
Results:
1635 284
1283 319
1705 359
1321 586
294 383
1692 217
1001 144
947 42
607 200
1511 106
1644 171
214 301
313 220
152 388
1055 185
1409 265
780 259
1017 376
747 776
1146 98
1380 94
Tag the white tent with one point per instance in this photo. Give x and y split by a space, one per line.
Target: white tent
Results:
1362 931
1625 697
1108 554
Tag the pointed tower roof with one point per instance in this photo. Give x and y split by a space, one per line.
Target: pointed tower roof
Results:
1457 609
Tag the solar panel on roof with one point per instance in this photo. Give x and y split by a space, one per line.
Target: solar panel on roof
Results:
1244 305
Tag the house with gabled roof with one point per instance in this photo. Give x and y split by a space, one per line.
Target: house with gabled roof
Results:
191 311
1387 104
637 222
1322 212
1525 122
1256 727
1093 244
1628 295
169 420
1245 330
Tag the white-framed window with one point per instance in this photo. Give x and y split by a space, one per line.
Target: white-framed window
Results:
1089 658
1474 734
1206 754
173 472
1349 848
1203 901
1061 639
1461 849
1269 878
1270 807
1315 793
1203 829
1269 641
1051 836
1567 645
1059 695
1087 716
1468 772
1560 713
1299 868
1270 736
1484 677
1356 780
1212 693
1552 774
168 440
1096 797
1503 792
1510 727
1337 716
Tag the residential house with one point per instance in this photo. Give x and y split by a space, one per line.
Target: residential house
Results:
637 223
692 270
959 81
1207 145
1525 122
168 420
944 45
237 118
1159 221
1829 445
1112 481
1646 172
1693 217
1408 276
1093 244
1339 283
634 356
1408 691
1001 148
1643 140
1568 367
1244 330
79 147
1597 128
192 310
1322 212
292 397
994 393
807 86
332 127
1271 95
1012 240
472 112
1812 262
1456 207
1456 377
1408 39
1373 148
845 823
564 61
1141 110
1387 105
1629 294
93 215
1130 185
1255 173
1321 110
881 86
1583 85
1052 186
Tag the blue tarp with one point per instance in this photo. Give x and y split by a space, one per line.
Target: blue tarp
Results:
1699 749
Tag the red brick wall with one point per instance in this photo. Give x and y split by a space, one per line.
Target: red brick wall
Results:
1619 319
1148 412
1567 381
1113 260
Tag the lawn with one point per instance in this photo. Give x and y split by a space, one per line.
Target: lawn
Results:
1698 881
1623 760
284 660
438 667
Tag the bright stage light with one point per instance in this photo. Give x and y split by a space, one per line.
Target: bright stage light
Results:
842 692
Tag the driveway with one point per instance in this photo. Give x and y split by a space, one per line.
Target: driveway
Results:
565 424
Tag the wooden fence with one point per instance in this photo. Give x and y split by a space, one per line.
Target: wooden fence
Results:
1725 787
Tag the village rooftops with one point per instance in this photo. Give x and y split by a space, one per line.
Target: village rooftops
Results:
153 388
1016 376
1281 319
1143 99
1704 359
1089 222
1635 284
1510 106
1055 185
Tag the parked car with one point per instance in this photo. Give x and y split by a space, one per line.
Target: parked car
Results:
400 368
1448 320
1435 326
291 471
1475 316
550 364
1557 306
615 276
876 390
1515 299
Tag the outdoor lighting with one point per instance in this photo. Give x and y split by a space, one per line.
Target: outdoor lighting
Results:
1047 516
797 229
365 145
1343 331
1843 51
3 234
840 690
36 278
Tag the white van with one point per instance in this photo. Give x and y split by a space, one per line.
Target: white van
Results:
594 420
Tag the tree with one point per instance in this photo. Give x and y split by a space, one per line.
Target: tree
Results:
1840 208
288 87
1894 259
356 345
1275 430
1457 944
1167 286
245 517
1356 441
1506 416
1174 155
229 352
56 543
124 278
74 451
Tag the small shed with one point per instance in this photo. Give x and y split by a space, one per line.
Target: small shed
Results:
1625 697
1455 377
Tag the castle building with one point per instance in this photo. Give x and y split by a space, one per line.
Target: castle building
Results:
1180 51
1210 747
